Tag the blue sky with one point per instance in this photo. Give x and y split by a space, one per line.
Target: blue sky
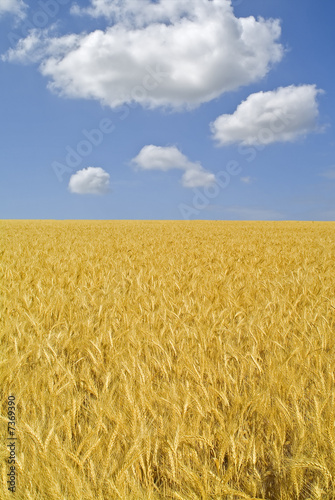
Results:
167 110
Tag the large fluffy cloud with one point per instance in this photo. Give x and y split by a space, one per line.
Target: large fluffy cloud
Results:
277 116
168 53
90 180
16 7
167 158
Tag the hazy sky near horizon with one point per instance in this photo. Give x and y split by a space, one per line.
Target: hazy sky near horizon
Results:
141 109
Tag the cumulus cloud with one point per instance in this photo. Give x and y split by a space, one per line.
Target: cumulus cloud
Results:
169 53
90 180
281 115
16 7
167 158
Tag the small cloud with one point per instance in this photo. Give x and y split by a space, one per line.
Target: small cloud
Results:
90 180
167 158
281 115
197 176
329 174
246 180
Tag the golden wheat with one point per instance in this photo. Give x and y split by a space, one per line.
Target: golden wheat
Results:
185 360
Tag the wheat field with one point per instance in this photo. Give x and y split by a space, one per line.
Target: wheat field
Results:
169 359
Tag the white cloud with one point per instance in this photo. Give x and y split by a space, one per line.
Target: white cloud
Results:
16 7
177 54
90 180
166 158
197 176
281 115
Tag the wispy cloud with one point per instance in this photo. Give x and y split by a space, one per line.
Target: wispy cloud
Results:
168 158
90 180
